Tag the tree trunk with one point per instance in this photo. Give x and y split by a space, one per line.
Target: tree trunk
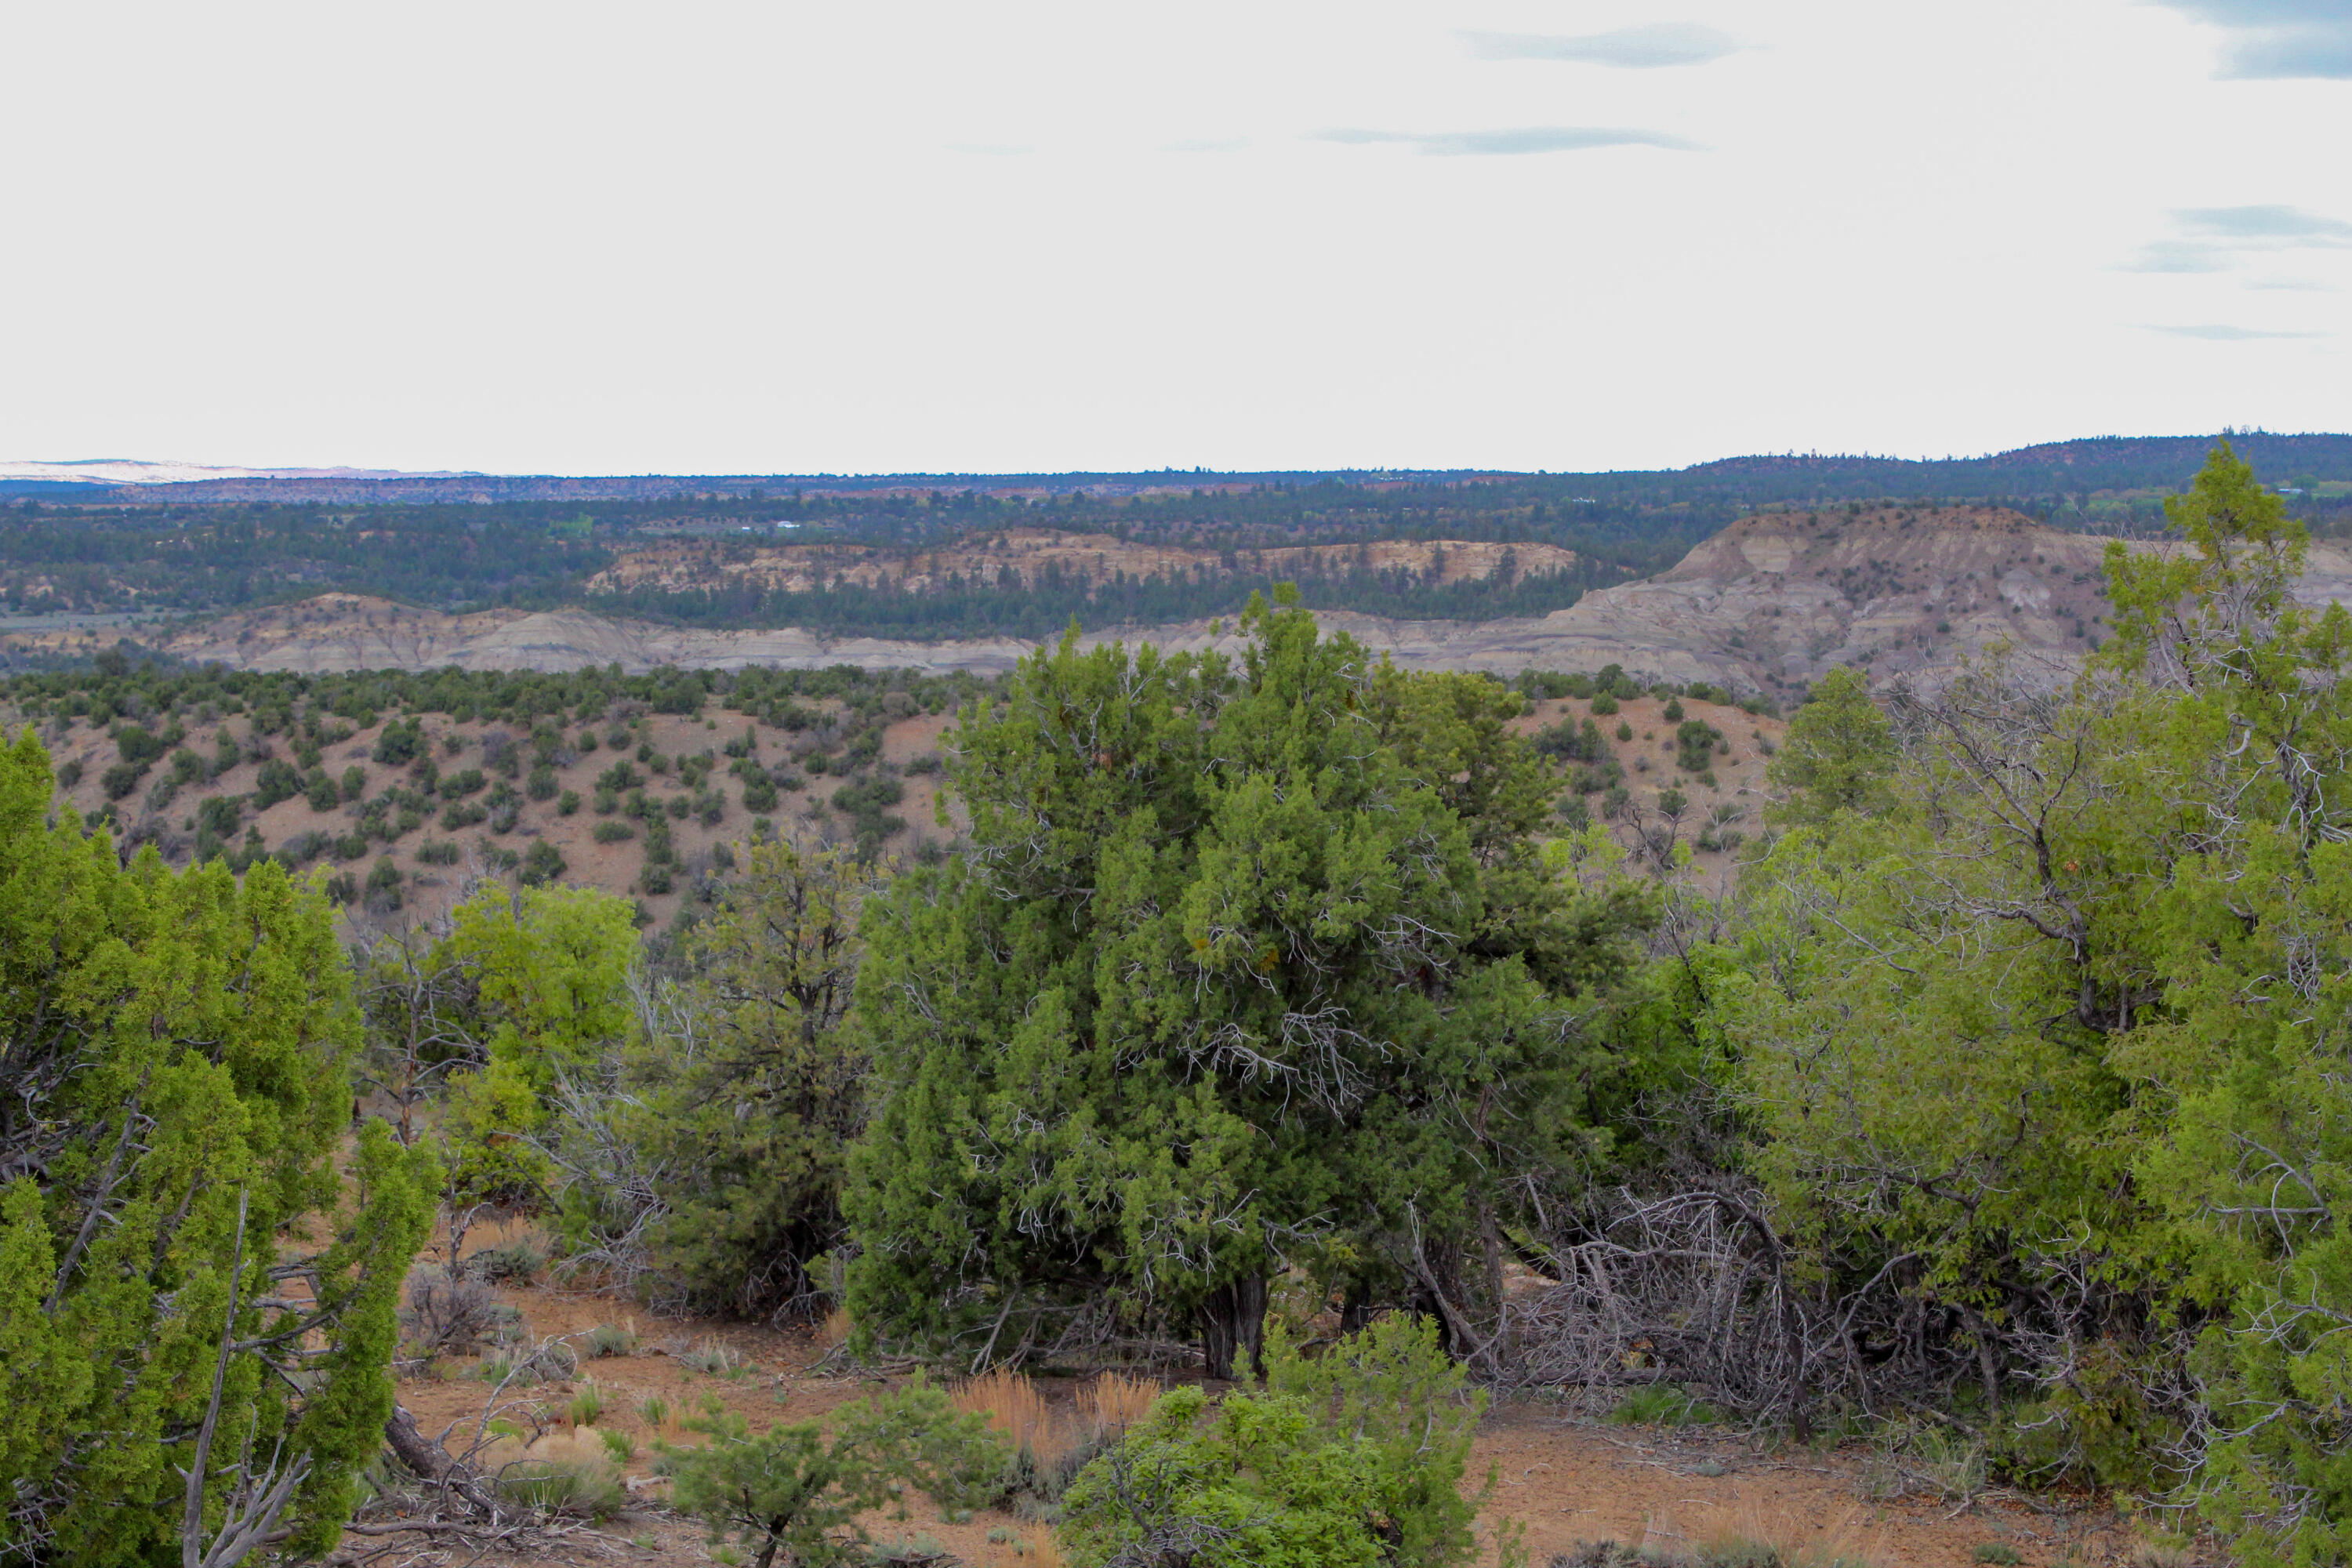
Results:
1232 1325
429 1461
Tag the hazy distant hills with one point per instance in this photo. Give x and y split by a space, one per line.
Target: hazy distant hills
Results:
2054 468
2050 471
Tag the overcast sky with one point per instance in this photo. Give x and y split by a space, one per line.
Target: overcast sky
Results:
788 237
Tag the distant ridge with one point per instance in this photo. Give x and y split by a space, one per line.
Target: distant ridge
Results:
2052 468
2101 462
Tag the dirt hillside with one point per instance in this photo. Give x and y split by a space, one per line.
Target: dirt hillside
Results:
1723 806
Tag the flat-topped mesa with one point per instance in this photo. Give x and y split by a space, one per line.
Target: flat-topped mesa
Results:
1027 555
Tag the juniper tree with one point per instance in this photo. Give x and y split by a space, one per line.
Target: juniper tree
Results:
192 1277
750 1096
2049 1045
1205 998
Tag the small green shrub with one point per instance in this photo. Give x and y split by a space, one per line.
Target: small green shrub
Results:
1355 1457
587 1404
610 1340
1664 1405
1997 1551
796 1493
514 1262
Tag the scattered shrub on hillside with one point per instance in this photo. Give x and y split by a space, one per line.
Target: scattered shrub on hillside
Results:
1695 743
542 862
383 885
399 743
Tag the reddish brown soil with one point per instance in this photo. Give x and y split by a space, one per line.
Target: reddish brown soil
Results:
1563 1480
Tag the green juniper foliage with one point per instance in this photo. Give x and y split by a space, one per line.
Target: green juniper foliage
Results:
175 1090
2041 1015
1230 979
748 1116
2009 1080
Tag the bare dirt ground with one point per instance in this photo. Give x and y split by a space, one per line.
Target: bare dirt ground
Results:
1563 1479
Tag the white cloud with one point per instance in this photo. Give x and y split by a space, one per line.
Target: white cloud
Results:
2179 256
1639 48
2292 226
2217 334
2278 39
1513 142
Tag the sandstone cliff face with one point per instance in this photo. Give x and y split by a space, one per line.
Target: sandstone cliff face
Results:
1026 554
1767 604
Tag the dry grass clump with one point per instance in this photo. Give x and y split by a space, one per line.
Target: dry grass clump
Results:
1017 1411
1034 1549
1114 1401
1051 1445
710 1356
1745 1537
563 1472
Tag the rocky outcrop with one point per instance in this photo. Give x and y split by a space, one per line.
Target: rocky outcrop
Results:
1765 606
